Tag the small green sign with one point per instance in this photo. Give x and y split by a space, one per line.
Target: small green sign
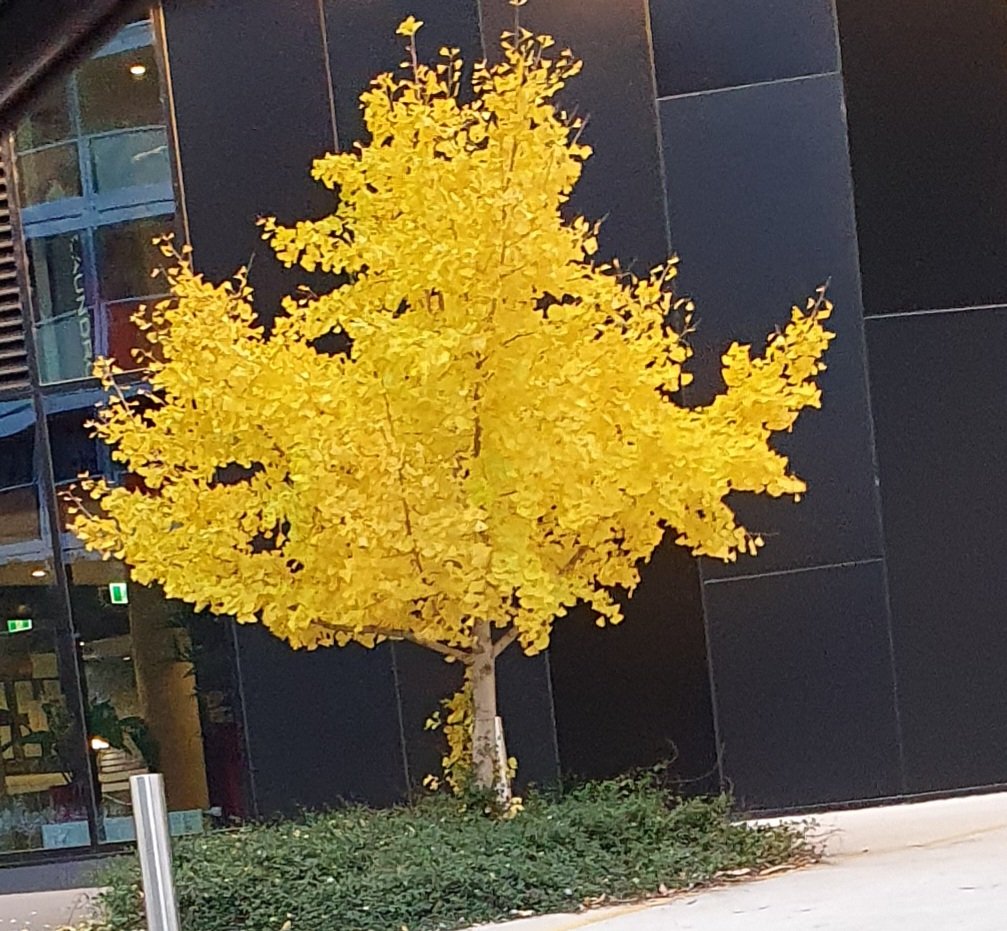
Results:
117 593
17 625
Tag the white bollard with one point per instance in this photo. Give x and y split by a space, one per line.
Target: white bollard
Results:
153 843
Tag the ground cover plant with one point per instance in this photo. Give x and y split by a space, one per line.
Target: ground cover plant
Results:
442 864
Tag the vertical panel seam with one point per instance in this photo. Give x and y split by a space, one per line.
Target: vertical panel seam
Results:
553 728
178 177
700 582
659 129
399 710
246 731
329 86
481 26
714 703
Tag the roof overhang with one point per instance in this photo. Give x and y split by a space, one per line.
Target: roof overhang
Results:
39 38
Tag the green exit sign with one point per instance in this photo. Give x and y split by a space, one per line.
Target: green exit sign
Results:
17 625
118 594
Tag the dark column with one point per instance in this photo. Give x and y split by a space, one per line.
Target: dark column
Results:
927 91
761 211
638 694
622 181
362 44
253 108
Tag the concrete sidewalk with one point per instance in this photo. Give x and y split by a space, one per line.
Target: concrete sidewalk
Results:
38 911
932 866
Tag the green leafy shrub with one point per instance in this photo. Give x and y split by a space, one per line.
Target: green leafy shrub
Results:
441 864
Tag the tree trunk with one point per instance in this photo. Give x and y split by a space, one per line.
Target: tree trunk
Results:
489 760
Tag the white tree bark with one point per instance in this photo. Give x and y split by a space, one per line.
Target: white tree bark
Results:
488 762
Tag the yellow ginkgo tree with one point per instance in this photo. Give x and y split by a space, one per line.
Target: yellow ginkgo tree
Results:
500 434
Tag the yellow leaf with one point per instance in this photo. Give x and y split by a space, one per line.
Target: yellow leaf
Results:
409 26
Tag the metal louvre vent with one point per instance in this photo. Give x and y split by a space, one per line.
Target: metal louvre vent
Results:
13 353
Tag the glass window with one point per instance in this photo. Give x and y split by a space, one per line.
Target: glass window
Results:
95 187
125 337
127 257
74 450
43 756
49 175
142 695
42 751
120 91
20 519
129 159
63 313
160 685
48 121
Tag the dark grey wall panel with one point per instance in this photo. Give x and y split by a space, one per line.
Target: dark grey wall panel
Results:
761 212
699 44
252 109
322 726
423 679
804 689
926 86
622 181
639 693
939 388
362 44
524 702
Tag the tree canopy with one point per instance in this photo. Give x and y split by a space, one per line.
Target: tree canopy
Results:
503 434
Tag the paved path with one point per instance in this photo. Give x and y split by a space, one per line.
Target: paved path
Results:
934 866
37 911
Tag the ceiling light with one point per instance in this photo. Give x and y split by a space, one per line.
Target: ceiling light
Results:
38 573
138 70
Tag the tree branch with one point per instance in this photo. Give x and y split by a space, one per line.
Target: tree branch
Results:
457 653
817 305
505 641
406 512
576 558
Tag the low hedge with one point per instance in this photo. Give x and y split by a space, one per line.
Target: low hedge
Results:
440 864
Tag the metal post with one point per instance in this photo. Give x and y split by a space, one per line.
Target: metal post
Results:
153 843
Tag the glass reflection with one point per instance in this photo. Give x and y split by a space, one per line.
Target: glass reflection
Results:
120 90
160 692
48 121
94 180
50 174
20 514
43 765
133 159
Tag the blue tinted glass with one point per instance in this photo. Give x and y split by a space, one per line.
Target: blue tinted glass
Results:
130 159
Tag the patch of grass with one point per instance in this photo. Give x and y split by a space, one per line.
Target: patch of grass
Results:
442 865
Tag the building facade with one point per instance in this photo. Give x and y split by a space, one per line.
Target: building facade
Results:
773 146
